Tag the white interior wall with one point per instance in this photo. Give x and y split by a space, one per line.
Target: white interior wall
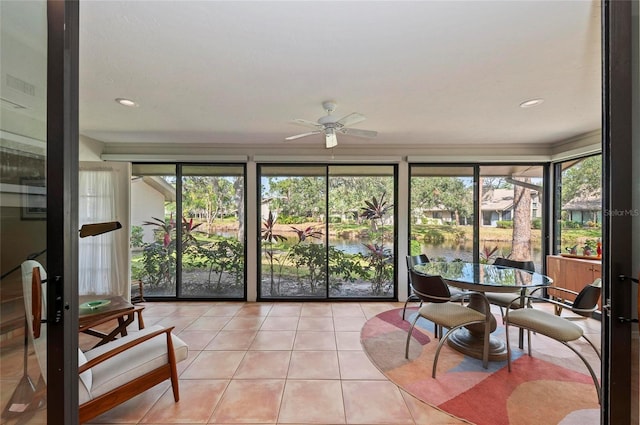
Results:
90 149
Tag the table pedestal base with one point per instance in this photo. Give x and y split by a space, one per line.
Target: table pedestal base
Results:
465 342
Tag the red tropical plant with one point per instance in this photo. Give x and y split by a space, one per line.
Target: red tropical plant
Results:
165 227
268 228
309 232
488 253
375 209
268 235
187 228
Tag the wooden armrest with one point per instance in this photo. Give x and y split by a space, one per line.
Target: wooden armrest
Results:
137 310
124 347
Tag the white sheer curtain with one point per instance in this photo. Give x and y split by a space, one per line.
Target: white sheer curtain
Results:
98 264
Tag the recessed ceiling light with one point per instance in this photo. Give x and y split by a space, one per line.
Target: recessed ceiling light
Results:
126 102
531 103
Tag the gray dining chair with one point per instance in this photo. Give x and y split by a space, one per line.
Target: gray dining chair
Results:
412 260
439 309
552 326
509 299
585 302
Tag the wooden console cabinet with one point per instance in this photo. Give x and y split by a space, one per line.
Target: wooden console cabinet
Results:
573 273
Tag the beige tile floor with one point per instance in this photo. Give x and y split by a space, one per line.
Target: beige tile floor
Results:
273 363
270 363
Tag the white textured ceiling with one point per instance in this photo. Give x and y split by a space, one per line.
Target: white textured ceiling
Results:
422 72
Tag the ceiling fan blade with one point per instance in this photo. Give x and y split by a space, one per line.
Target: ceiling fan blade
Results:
351 119
297 136
306 123
359 133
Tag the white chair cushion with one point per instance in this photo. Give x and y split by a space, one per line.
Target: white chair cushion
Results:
86 378
133 362
450 315
545 323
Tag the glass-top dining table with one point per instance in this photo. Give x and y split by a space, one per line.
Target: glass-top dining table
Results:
479 278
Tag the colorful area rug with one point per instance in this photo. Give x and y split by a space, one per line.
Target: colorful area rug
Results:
551 387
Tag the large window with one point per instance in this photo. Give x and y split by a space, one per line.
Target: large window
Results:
327 231
511 207
441 212
188 234
506 199
578 203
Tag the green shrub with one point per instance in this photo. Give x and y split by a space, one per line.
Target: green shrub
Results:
415 247
136 236
504 224
568 224
137 269
434 236
536 223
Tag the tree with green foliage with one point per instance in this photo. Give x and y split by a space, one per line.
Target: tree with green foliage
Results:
208 196
583 179
238 196
346 193
301 197
449 193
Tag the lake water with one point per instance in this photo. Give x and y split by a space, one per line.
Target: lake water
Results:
448 251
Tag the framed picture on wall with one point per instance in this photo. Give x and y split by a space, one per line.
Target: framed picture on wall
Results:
34 200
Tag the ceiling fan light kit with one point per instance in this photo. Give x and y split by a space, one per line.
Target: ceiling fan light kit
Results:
330 126
330 138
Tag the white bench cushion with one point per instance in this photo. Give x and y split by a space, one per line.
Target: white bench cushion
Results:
86 379
129 364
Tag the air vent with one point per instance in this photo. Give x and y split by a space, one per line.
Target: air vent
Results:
21 85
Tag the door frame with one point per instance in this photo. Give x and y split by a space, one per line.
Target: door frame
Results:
617 151
62 211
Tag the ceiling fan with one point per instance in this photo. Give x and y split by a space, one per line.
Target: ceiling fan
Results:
330 126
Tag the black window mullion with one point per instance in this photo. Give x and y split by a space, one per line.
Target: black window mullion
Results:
178 219
326 231
557 208
476 213
548 226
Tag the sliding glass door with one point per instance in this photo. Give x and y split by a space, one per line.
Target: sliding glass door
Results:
213 231
24 149
293 215
153 221
188 230
327 231
362 231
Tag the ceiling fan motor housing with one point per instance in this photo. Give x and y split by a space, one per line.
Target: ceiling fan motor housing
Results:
329 106
328 120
